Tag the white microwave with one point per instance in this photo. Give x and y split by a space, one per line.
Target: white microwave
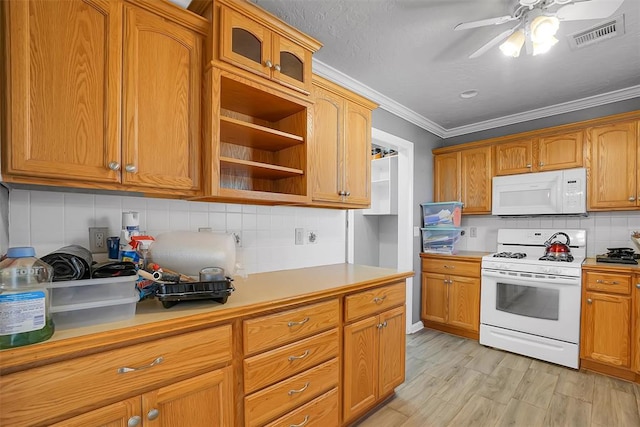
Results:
543 193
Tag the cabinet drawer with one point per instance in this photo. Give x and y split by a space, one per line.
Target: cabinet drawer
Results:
74 386
454 267
607 282
373 301
290 393
271 331
270 367
322 412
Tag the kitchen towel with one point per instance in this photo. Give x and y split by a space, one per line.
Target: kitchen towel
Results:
71 262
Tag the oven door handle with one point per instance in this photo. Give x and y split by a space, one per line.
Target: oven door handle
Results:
546 279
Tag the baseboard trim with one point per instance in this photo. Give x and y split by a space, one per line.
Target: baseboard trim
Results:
418 326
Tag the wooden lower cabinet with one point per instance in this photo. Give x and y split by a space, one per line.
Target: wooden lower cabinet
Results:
374 360
451 294
609 330
202 401
606 329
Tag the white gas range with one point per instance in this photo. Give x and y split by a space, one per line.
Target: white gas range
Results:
530 303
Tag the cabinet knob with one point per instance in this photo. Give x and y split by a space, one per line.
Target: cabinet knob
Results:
632 199
589 300
153 414
134 421
347 193
341 193
114 166
529 165
638 285
541 164
277 67
268 63
131 168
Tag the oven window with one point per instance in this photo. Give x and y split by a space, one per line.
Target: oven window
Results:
528 301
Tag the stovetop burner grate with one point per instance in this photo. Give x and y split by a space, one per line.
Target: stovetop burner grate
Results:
516 255
566 258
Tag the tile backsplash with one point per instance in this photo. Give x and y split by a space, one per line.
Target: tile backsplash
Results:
604 229
48 220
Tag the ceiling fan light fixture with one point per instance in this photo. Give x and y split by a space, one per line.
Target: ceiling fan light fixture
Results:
544 28
513 45
540 48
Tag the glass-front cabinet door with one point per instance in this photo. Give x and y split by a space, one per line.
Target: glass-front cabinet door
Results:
292 65
245 43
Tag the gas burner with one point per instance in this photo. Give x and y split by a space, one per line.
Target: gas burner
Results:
517 255
566 258
619 255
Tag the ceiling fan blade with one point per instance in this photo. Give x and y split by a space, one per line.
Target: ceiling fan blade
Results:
484 22
494 41
593 9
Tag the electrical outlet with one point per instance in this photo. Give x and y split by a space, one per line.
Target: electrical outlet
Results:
312 237
98 239
299 236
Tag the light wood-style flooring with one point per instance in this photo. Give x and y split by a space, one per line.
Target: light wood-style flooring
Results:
456 382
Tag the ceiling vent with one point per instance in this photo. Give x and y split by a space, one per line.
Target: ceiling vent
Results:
612 28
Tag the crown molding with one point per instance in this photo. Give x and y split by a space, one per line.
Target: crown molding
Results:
411 116
565 107
386 103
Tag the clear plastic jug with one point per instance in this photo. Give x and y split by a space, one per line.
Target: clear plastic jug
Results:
25 316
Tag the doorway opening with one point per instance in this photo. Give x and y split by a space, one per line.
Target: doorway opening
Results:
396 237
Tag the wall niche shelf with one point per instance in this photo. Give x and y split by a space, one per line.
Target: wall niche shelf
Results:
384 186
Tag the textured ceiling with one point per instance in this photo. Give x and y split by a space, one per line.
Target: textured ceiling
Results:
408 51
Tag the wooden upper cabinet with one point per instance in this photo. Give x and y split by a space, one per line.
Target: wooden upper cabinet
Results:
613 171
63 104
341 149
564 151
543 153
161 114
514 157
475 179
464 176
446 177
248 41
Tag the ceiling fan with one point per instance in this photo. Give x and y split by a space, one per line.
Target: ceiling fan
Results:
538 22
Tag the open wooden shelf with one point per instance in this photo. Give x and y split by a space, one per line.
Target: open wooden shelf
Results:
252 169
239 132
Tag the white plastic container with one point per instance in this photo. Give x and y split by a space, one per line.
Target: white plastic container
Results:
93 313
91 290
441 214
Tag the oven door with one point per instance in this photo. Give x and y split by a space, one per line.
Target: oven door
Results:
543 305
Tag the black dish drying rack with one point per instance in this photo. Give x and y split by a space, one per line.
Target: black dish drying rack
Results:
172 293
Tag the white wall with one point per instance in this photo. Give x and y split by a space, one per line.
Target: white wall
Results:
604 229
366 242
388 234
48 220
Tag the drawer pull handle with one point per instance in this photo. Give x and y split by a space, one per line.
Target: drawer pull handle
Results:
379 300
302 322
451 267
158 361
292 392
302 356
302 424
615 282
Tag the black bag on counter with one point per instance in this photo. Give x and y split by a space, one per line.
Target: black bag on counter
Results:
113 269
71 262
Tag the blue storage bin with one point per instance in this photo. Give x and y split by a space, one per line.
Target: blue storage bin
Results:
441 214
